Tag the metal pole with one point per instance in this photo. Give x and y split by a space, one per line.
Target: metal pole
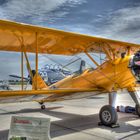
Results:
22 71
28 66
22 57
92 59
128 51
36 37
112 99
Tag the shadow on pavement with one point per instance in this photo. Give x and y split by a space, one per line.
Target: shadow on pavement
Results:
4 134
72 123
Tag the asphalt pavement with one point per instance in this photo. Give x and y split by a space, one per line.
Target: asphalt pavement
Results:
75 119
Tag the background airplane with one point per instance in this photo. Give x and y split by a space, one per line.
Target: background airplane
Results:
54 73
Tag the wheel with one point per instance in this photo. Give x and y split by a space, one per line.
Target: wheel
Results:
108 115
43 107
138 110
41 103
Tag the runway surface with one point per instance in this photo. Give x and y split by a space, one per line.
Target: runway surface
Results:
76 119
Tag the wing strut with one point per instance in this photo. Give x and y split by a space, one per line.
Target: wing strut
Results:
92 59
107 53
22 64
28 65
128 50
36 59
22 70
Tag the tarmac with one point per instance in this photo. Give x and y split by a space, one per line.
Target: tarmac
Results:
75 119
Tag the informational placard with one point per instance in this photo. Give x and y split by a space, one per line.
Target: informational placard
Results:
29 128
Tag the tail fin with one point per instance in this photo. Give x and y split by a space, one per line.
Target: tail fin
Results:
40 82
82 66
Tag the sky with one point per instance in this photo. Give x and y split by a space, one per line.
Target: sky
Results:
114 19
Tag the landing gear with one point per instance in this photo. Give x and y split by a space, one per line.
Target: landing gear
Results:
136 99
138 110
43 107
108 115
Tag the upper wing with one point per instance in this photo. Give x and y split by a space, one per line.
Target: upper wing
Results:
18 37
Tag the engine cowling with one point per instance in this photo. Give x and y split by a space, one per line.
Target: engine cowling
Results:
135 65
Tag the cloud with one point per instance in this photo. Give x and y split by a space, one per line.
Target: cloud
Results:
123 24
80 28
35 11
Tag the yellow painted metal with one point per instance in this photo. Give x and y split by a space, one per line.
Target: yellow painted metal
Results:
128 50
40 83
28 65
103 77
131 88
22 86
53 41
22 60
37 81
36 62
107 53
92 59
42 92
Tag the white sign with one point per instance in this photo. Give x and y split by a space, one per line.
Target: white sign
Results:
29 128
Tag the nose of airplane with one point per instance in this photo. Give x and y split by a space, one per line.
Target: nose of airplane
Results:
135 65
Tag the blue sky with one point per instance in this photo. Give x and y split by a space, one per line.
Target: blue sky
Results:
116 19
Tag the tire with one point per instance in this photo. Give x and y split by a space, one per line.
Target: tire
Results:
43 107
138 110
108 115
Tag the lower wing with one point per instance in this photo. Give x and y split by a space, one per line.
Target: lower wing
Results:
46 95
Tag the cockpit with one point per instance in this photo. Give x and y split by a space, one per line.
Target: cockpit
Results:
135 65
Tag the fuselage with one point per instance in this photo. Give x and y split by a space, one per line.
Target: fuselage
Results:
109 76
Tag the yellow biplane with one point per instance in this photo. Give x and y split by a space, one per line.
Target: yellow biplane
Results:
121 70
